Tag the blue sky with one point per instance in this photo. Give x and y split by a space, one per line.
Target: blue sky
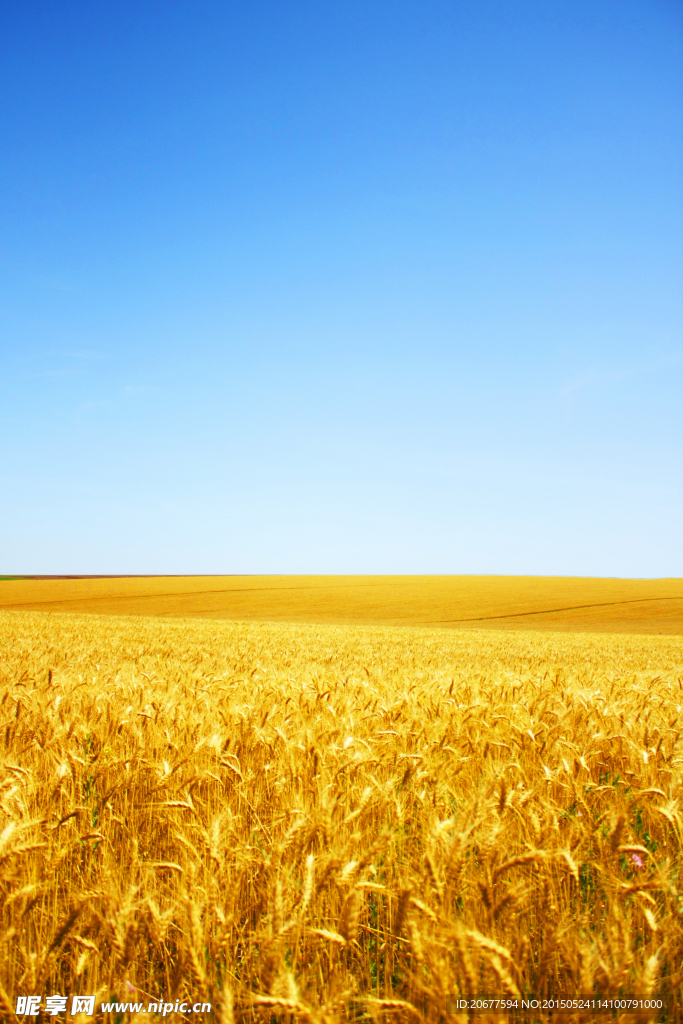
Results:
327 286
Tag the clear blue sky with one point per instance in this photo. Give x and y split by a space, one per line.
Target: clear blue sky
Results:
341 286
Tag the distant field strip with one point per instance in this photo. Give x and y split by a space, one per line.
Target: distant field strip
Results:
514 602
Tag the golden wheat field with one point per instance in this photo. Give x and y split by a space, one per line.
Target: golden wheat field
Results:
337 823
510 602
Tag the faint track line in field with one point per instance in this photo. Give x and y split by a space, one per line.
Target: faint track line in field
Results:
569 608
27 605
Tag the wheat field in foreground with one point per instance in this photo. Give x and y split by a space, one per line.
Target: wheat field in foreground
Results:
337 823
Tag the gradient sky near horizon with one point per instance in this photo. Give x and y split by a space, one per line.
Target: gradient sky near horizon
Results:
322 286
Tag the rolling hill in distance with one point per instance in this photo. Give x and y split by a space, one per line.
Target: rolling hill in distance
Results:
460 602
